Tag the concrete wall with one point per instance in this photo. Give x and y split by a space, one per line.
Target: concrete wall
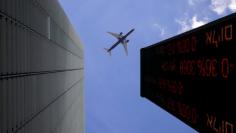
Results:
41 69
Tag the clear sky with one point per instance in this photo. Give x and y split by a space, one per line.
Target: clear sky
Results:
112 83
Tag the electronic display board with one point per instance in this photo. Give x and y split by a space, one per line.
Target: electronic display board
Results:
193 76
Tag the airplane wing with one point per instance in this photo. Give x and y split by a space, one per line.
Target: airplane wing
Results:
115 35
125 47
113 46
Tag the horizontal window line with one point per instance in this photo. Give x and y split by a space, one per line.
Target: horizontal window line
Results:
18 22
7 76
48 105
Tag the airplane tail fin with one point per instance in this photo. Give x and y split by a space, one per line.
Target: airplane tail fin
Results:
108 51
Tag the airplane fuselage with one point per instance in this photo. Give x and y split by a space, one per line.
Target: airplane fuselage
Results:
121 39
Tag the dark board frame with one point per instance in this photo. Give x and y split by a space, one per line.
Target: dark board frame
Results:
193 76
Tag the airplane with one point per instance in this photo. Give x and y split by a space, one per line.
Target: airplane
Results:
121 39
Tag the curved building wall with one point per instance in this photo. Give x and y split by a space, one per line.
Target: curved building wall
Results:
41 69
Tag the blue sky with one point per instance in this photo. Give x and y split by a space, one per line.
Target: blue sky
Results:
112 83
